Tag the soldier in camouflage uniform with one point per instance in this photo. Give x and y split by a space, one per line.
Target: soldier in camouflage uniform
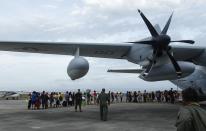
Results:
103 100
191 116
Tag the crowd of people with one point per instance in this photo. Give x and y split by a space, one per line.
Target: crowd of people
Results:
170 96
46 100
191 116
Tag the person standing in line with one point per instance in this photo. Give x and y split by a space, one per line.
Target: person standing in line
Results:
95 97
29 101
191 116
172 98
56 99
112 95
88 97
135 96
66 97
130 97
158 95
153 96
127 96
121 96
78 100
145 96
70 99
139 96
46 100
43 100
116 97
38 101
109 95
103 100
162 97
33 99
166 96
60 98
73 98
51 99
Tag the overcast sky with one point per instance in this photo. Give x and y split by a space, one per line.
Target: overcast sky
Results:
87 21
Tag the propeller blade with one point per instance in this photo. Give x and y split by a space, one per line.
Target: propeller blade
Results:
149 67
152 30
175 64
150 42
185 41
164 31
157 28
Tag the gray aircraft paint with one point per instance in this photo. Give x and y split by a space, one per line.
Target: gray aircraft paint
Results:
167 72
195 80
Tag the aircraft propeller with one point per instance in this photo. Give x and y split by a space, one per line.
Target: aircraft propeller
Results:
160 43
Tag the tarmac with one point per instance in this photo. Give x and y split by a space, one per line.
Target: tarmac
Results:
122 117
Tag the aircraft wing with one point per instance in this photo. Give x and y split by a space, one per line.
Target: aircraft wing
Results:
102 50
187 53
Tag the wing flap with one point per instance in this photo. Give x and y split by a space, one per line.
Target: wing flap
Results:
136 71
186 53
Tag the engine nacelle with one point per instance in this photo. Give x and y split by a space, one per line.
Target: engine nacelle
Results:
139 53
77 68
167 72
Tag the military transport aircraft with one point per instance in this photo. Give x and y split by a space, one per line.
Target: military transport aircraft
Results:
158 59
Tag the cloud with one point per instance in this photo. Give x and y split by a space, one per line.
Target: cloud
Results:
131 4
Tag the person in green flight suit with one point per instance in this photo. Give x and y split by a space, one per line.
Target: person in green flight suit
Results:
191 116
103 100
78 101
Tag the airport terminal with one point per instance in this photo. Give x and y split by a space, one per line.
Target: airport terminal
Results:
102 65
